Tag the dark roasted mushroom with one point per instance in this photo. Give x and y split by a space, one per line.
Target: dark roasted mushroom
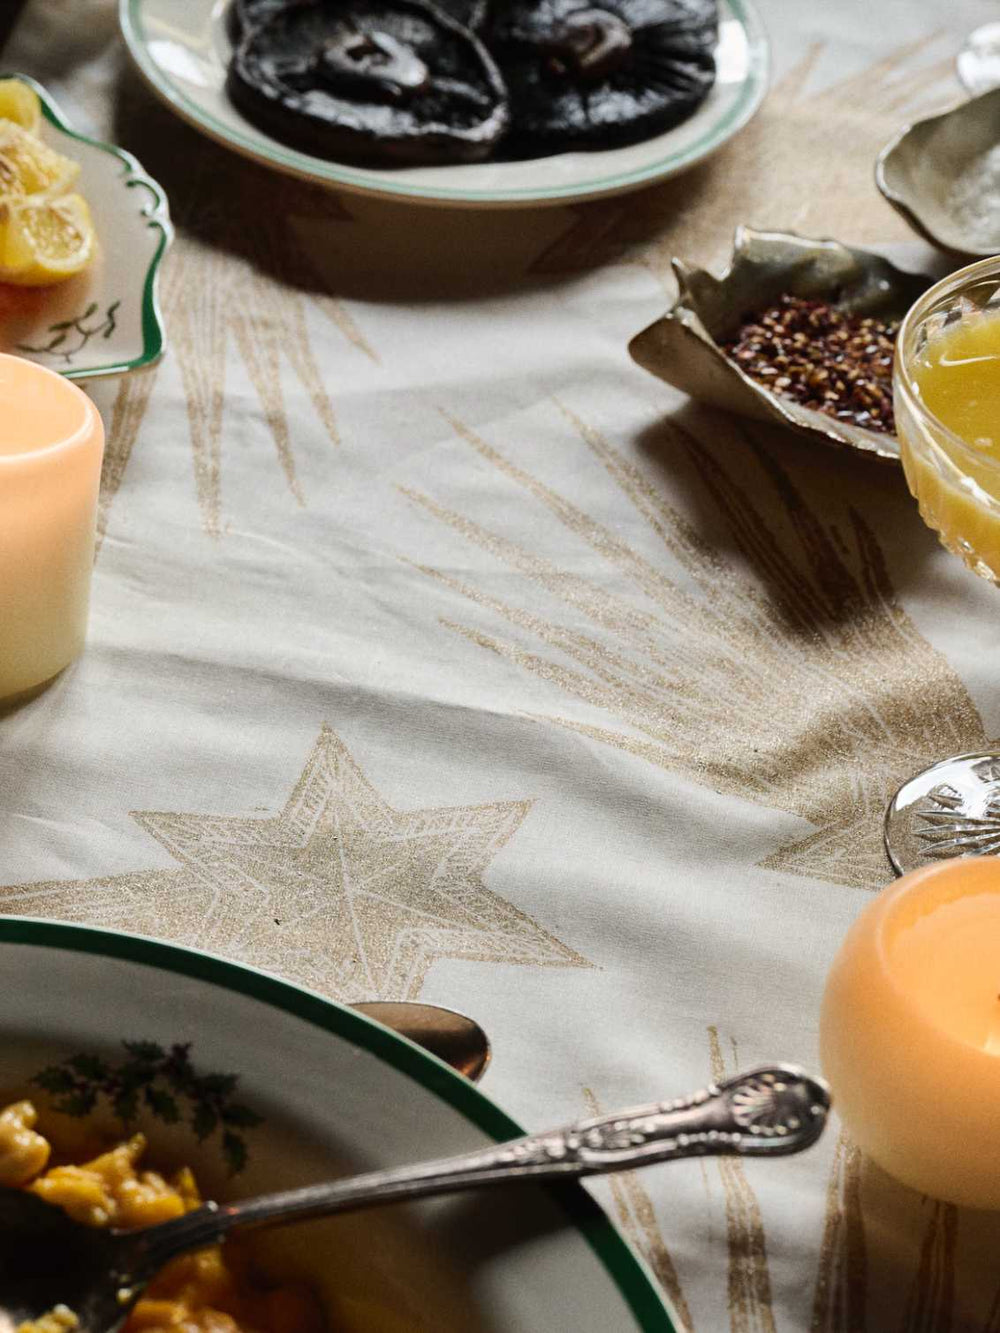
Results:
244 14
586 76
472 14
383 80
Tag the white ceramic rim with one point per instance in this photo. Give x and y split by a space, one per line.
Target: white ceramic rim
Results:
623 1266
260 148
156 213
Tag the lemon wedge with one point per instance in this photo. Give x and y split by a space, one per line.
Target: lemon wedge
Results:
20 104
28 166
45 240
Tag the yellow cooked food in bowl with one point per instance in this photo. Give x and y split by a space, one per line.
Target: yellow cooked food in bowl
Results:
207 1292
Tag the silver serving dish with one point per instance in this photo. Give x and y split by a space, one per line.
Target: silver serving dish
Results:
943 175
683 348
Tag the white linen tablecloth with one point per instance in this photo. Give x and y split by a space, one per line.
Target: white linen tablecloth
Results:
438 651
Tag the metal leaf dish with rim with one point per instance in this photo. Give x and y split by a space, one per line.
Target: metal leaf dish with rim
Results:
182 49
683 348
942 174
107 320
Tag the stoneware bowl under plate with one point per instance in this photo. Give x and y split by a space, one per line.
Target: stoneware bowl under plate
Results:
943 176
107 320
321 1090
182 48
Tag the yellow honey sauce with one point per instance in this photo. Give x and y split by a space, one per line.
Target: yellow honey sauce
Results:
956 377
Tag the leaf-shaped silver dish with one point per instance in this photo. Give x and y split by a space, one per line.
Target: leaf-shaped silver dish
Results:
942 175
683 347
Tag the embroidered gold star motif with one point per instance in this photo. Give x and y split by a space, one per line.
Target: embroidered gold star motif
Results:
679 659
339 891
778 167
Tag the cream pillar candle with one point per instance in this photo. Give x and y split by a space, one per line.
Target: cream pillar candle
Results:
51 445
910 1031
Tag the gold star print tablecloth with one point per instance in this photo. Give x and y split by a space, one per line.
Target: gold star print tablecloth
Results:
438 651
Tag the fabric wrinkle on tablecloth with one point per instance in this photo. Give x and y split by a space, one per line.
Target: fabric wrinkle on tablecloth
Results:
437 650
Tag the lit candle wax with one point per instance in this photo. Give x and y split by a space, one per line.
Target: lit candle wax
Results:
51 444
910 1031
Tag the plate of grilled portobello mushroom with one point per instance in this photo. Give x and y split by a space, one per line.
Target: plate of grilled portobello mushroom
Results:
489 103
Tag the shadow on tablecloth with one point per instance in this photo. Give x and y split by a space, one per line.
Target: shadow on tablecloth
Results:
361 248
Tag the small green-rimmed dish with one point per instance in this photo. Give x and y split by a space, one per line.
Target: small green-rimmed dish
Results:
106 321
182 48
282 1087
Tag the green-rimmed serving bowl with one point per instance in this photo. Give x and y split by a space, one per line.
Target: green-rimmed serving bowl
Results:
182 48
320 1090
106 321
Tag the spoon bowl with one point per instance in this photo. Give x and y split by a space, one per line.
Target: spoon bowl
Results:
31 1231
453 1037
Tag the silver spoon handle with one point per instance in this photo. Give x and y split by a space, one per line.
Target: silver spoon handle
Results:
767 1112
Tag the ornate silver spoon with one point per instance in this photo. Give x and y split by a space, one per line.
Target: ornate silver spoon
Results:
46 1259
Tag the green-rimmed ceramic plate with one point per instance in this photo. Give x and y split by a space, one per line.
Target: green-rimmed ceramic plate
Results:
320 1090
182 47
106 321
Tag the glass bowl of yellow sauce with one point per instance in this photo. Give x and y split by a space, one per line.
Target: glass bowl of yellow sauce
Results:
946 390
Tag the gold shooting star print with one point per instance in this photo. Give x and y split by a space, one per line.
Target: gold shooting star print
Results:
892 1259
240 279
245 288
637 1218
839 1304
779 167
339 892
749 1277
131 402
792 679
930 1305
